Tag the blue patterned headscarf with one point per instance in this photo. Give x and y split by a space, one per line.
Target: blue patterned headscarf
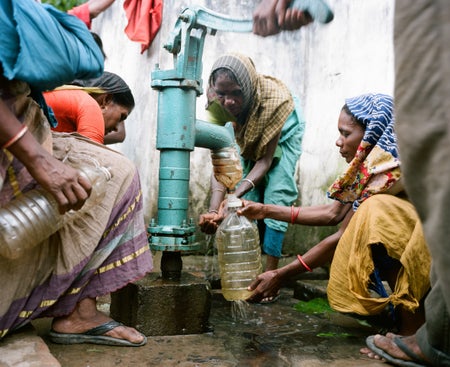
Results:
376 167
376 113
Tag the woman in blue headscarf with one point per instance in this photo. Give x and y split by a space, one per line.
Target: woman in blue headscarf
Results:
380 236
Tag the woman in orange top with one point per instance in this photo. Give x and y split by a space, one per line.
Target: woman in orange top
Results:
93 107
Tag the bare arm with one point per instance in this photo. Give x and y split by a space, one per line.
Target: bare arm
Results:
210 221
64 182
117 136
317 215
260 168
268 284
98 6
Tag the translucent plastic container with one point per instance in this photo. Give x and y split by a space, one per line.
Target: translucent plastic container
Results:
34 216
239 253
227 167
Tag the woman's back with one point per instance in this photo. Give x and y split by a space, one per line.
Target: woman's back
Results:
76 111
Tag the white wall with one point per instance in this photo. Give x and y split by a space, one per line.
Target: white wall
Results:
323 64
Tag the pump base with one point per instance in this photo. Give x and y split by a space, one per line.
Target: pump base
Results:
157 306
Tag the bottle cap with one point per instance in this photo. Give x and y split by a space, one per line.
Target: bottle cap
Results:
234 201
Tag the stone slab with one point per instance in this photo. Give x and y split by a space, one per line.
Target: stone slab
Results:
26 349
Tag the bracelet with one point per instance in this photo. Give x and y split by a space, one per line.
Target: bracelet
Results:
299 257
294 216
251 182
16 137
213 211
219 190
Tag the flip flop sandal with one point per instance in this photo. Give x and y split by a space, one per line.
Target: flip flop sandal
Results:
415 362
95 336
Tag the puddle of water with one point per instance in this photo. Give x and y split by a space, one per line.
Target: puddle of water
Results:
276 334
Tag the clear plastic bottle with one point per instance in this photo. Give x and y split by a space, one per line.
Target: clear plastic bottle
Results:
239 253
34 216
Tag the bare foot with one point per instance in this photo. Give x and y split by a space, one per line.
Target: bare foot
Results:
270 299
368 353
86 316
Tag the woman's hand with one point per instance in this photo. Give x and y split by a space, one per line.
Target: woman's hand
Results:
65 183
273 16
252 210
291 19
266 285
210 221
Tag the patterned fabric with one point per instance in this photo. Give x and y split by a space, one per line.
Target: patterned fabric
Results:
101 250
375 167
267 105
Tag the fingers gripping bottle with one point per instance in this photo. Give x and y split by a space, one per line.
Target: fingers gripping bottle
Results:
34 216
239 253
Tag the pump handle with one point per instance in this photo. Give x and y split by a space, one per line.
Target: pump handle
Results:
319 10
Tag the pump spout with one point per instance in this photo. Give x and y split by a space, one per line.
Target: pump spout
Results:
225 152
213 136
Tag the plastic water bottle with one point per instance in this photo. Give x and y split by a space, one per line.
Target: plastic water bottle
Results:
239 253
34 216
227 167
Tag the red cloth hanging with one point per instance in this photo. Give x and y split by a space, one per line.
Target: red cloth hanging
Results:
144 20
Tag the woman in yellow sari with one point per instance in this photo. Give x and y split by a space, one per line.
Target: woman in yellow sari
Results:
380 236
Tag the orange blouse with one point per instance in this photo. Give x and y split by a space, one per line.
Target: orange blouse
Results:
77 111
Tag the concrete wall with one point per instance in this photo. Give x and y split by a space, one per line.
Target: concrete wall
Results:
322 64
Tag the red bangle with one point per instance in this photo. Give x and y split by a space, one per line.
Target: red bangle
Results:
16 137
299 257
294 215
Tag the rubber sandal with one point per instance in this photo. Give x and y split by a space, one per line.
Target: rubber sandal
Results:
415 362
95 336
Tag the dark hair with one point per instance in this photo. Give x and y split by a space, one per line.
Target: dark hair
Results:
125 99
112 84
353 117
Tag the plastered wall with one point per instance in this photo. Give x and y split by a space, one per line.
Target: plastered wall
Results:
322 64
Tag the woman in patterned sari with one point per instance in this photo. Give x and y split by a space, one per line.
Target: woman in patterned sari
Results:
101 251
380 236
105 246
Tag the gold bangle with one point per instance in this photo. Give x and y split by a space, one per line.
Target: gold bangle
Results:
251 182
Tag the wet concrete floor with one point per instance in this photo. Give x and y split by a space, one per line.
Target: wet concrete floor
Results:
270 335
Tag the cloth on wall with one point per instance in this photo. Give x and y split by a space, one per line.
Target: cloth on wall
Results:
144 20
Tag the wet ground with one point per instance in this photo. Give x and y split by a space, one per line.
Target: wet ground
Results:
269 335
